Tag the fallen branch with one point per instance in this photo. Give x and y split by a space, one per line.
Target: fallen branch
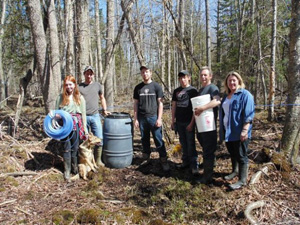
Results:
7 202
250 207
16 174
23 211
257 175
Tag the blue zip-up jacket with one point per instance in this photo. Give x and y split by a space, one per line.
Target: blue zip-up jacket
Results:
241 111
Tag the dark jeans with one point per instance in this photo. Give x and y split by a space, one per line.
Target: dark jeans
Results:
147 125
208 141
238 150
187 141
71 144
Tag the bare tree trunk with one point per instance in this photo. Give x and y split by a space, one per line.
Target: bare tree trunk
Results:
181 35
2 78
163 47
291 132
98 37
272 69
260 67
54 47
83 28
218 71
70 55
109 93
208 38
40 46
126 7
169 52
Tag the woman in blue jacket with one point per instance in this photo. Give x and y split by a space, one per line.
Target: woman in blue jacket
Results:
236 116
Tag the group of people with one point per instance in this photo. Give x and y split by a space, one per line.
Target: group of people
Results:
236 113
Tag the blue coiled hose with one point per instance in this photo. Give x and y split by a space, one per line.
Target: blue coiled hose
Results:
53 127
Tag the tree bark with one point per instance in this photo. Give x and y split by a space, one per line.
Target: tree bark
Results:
98 38
54 47
2 78
272 66
109 92
40 46
126 7
70 55
83 29
291 132
208 39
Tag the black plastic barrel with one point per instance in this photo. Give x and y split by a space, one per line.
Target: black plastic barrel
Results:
117 140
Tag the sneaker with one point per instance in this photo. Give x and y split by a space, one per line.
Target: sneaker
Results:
164 163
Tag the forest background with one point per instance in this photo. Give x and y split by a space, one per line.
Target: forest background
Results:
42 41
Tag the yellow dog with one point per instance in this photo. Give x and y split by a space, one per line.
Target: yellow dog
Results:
86 156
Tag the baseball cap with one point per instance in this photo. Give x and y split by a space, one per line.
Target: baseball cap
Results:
183 73
144 67
88 68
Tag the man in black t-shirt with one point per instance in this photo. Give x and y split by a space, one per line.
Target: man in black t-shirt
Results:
183 121
208 140
148 110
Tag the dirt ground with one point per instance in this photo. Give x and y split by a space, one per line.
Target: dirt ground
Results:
33 191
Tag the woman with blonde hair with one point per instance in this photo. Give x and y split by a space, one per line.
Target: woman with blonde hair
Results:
72 102
236 116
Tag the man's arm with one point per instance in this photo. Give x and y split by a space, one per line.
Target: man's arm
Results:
160 112
174 103
103 104
135 112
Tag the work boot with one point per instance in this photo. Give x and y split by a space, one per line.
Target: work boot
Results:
164 163
235 169
98 155
74 165
243 174
208 166
67 167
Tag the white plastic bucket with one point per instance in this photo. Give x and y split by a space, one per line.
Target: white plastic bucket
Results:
205 121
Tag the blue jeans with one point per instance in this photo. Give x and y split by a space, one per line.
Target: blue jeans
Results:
187 141
94 123
147 125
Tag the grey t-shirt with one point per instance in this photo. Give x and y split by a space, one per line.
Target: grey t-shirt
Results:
91 94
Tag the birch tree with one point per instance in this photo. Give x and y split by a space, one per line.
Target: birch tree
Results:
272 66
109 93
208 38
2 78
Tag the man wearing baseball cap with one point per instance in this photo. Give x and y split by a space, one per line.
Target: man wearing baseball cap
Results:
148 110
89 89
183 121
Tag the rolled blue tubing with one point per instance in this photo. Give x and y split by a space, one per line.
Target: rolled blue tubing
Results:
56 131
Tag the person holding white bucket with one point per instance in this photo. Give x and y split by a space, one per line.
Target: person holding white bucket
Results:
72 102
236 116
183 121
207 137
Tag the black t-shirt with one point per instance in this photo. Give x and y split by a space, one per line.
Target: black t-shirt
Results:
182 97
147 95
212 90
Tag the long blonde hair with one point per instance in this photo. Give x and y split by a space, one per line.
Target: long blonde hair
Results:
238 76
76 93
